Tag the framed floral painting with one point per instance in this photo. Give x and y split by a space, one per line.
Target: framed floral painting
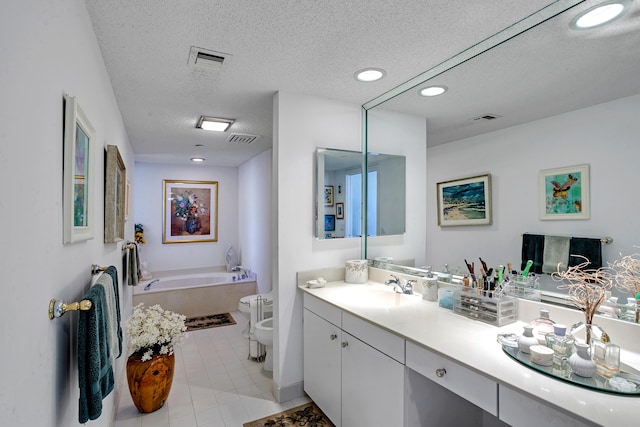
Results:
564 193
190 211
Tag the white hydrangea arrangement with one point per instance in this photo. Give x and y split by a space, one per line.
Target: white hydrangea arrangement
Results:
154 329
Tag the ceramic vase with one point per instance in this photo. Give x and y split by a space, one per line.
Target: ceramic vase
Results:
527 339
191 224
150 380
581 363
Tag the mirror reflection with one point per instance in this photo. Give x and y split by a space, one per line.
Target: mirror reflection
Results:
550 97
339 194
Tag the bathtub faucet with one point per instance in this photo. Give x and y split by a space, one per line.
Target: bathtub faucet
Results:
146 288
246 272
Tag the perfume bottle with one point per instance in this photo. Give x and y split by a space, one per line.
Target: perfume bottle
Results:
542 326
562 345
606 355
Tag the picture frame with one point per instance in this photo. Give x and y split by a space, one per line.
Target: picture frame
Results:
465 201
564 193
190 211
339 210
115 181
328 195
329 223
127 196
78 173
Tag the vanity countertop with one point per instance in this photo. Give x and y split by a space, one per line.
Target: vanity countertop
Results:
474 345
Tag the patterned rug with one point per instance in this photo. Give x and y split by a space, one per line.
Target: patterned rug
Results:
211 321
304 415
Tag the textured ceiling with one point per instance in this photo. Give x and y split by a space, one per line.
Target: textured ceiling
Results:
307 46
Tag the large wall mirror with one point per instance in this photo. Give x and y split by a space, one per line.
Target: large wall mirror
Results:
340 188
536 69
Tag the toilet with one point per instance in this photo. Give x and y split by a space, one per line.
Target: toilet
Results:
245 310
264 335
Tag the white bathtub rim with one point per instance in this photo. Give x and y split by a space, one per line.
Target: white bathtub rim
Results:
139 289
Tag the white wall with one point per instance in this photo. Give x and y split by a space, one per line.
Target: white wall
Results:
604 136
49 48
149 207
301 124
254 217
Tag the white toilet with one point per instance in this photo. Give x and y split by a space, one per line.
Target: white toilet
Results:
244 306
264 335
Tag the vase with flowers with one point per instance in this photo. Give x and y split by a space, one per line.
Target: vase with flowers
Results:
586 288
153 332
188 208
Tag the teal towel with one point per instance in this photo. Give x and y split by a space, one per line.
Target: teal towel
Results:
95 373
532 249
587 247
113 272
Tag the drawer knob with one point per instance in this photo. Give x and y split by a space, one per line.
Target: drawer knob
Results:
440 372
345 344
333 337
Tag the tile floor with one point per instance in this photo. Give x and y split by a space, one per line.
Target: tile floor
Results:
214 385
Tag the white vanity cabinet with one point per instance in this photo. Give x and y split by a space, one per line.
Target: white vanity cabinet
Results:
353 382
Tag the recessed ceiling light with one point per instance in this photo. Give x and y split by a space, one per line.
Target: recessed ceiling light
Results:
433 90
369 74
213 123
197 159
600 14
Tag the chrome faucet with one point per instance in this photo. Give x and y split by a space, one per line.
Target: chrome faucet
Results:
407 288
246 272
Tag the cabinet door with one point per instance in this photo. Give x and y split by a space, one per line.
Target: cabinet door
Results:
322 373
372 386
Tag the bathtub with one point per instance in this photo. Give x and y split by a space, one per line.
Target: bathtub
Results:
196 294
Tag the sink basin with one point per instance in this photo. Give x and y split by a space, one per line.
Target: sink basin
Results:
374 297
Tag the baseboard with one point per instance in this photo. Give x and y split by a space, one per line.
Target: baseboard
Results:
284 394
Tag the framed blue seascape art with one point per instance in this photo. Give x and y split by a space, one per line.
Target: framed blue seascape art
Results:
465 201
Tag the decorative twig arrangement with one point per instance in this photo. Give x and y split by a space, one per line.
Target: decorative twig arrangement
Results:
627 273
586 288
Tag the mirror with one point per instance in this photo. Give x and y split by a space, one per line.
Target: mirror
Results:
514 79
339 189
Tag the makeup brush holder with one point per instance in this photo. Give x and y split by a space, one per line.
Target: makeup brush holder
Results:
489 308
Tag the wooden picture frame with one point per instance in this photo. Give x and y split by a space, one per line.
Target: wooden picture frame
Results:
115 181
78 173
465 201
328 195
564 193
190 211
339 210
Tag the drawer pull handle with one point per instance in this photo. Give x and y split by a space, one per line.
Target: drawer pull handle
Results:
344 344
440 372
333 337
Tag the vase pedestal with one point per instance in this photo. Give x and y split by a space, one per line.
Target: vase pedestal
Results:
150 381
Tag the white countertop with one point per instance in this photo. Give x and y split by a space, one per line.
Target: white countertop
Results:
473 344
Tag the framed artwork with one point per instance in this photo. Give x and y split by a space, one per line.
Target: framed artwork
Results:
78 171
126 201
329 223
564 193
340 210
190 211
115 180
465 201
328 195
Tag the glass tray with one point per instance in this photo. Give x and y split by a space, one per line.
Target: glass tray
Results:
596 382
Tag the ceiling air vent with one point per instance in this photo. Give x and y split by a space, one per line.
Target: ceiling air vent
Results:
485 118
207 58
242 138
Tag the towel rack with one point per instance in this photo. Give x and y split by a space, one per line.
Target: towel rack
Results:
58 308
96 269
605 240
128 246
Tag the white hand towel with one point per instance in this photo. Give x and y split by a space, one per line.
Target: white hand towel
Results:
556 251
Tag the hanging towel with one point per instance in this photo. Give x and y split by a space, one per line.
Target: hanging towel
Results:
112 319
590 248
532 249
113 273
95 373
556 251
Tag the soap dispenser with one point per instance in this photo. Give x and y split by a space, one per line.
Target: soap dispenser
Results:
445 276
430 286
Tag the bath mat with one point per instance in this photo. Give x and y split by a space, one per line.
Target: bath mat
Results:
211 321
304 415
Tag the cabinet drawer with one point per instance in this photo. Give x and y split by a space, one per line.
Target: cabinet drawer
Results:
470 385
380 339
325 310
